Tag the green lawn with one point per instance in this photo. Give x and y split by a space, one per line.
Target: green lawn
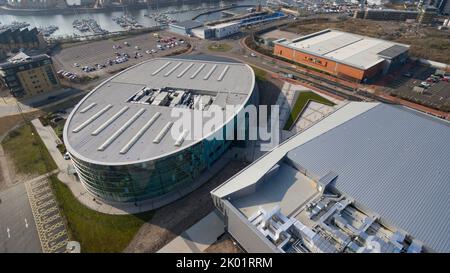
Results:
260 75
220 47
27 151
302 101
96 232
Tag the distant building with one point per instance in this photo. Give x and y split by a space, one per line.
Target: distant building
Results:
41 4
184 27
443 6
87 2
386 14
27 76
14 40
343 54
426 15
370 177
222 29
119 135
423 16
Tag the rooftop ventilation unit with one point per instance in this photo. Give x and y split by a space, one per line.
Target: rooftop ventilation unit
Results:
163 132
121 130
109 121
139 134
161 68
224 72
198 71
87 108
91 119
181 138
210 72
185 70
173 69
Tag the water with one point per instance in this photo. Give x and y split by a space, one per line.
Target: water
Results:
64 22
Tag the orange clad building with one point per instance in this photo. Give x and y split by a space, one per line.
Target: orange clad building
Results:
343 54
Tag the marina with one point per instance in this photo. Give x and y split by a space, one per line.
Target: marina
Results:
144 18
88 25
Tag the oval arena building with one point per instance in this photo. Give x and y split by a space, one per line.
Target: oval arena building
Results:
120 137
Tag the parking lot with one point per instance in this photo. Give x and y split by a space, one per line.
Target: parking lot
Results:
110 56
436 94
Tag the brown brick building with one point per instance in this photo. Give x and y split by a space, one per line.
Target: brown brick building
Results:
342 54
27 76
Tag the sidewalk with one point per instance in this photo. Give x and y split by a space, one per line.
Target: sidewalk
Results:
14 107
198 237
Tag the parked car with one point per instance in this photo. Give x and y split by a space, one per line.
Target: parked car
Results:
425 84
66 156
408 75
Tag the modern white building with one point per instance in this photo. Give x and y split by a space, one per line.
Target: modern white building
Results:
119 136
226 29
370 177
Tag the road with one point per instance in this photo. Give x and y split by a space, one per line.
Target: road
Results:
18 231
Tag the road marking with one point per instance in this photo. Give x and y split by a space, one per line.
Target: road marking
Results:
7 231
26 223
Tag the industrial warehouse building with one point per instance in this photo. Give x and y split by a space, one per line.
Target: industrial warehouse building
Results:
370 177
343 54
119 136
222 29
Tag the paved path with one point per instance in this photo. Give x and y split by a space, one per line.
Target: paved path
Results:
12 107
198 237
7 181
51 141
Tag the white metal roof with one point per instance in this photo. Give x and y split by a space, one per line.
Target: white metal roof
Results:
355 50
103 127
390 159
260 167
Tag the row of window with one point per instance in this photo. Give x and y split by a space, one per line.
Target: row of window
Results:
142 181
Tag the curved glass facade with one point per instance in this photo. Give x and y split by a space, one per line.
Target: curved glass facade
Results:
151 179
137 182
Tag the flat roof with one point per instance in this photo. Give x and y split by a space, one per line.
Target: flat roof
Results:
395 162
347 48
287 188
188 24
106 110
21 58
392 160
225 24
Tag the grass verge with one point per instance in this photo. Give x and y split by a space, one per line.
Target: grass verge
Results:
27 151
260 74
302 100
96 232
220 47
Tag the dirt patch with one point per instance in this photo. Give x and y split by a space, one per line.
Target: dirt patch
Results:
10 122
8 174
171 220
225 244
